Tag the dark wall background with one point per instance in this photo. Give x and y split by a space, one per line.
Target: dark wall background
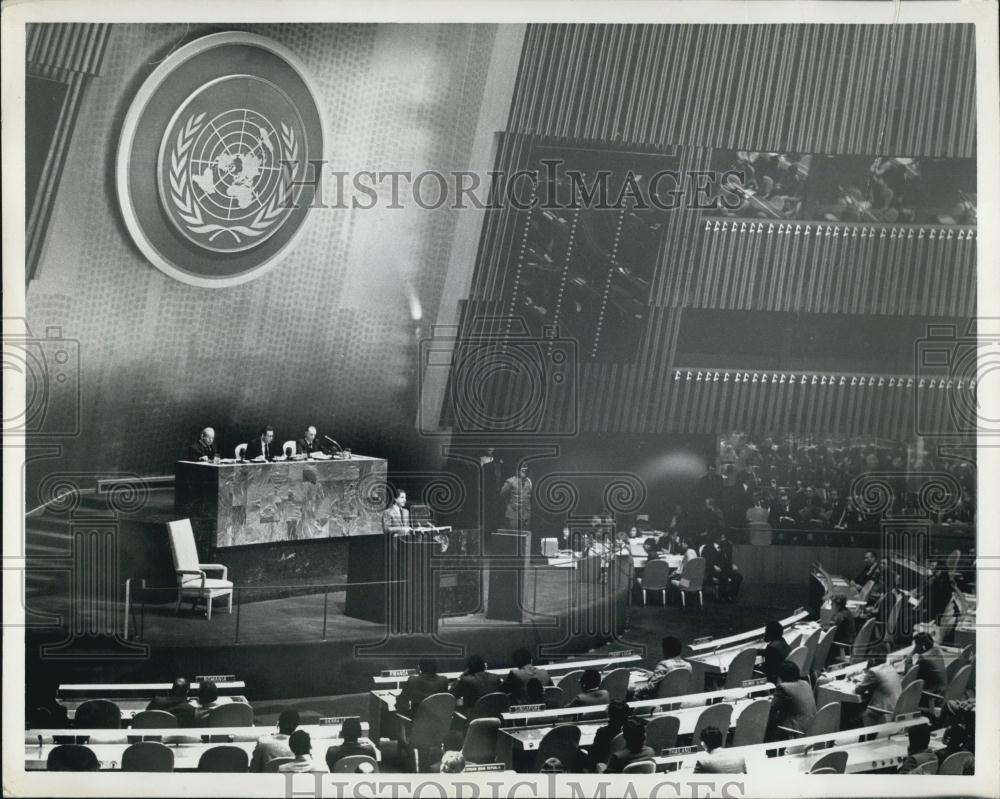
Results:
329 336
691 90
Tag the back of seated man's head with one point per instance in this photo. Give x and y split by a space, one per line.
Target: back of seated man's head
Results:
590 679
300 743
452 763
552 765
711 738
428 666
208 692
671 647
634 733
618 712
922 642
876 656
288 721
919 738
475 664
534 690
773 631
788 672
839 601
179 688
521 658
351 730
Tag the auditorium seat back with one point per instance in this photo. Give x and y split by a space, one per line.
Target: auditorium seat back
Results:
289 448
640 767
616 683
72 757
834 760
148 756
752 723
480 744
490 706
154 720
713 716
955 689
98 714
954 764
676 683
240 451
352 763
661 733
910 676
233 714
554 696
224 759
822 655
272 765
799 656
561 742
909 699
826 720
570 684
741 668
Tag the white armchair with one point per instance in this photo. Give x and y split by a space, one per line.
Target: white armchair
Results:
192 581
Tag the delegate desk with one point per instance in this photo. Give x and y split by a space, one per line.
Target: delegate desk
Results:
516 746
132 698
838 684
187 745
714 657
382 701
874 748
237 503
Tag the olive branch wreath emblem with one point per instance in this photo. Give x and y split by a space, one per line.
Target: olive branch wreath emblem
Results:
182 193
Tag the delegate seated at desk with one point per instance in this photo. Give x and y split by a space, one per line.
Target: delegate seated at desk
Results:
263 448
204 448
308 444
396 518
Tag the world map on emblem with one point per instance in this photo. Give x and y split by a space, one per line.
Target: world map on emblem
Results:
227 171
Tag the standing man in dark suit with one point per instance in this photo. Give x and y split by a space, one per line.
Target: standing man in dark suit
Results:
204 448
793 705
418 687
516 493
308 444
475 682
710 485
263 448
491 473
396 518
720 568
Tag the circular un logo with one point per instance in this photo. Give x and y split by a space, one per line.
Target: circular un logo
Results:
214 173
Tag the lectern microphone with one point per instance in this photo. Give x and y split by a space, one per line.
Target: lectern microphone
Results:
339 448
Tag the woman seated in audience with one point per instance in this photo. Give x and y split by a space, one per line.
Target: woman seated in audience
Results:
301 745
716 760
918 749
591 692
208 699
350 732
793 706
634 733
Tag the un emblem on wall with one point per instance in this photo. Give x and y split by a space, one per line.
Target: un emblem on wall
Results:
214 173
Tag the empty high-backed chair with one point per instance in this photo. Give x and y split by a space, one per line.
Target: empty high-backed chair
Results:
98 714
232 714
954 764
192 581
691 580
821 657
352 764
148 756
640 767
153 720
224 759
481 740
569 684
72 757
655 577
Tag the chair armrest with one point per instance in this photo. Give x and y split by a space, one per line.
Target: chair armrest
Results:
219 566
459 715
791 731
199 572
882 710
931 694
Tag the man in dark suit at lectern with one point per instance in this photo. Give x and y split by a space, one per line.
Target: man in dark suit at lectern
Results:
308 444
263 446
204 448
396 518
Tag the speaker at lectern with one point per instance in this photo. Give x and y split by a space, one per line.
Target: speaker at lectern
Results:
509 559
